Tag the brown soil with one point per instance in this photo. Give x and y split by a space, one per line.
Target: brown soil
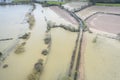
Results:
105 22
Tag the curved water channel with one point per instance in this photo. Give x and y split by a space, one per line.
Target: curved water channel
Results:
56 63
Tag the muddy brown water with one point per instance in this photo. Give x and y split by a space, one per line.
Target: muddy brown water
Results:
58 63
21 65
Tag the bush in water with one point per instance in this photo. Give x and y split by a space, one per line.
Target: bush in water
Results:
44 52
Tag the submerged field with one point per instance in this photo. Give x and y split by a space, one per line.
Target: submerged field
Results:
101 58
39 43
12 25
20 63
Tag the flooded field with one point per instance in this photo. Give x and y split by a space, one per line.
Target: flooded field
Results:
56 63
12 24
101 58
21 65
53 38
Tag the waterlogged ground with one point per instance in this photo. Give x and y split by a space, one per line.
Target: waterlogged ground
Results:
101 58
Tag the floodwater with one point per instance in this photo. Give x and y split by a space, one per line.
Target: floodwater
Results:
12 24
57 61
21 65
101 58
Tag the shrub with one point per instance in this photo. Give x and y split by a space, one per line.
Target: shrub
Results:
44 52
38 67
25 36
5 66
47 40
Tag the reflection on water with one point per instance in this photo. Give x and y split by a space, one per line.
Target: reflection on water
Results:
12 24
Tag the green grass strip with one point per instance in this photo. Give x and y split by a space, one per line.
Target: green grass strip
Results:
108 4
55 2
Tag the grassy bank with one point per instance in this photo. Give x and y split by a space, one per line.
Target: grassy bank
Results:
108 4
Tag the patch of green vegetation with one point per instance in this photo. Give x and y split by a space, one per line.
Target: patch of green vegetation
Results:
55 3
51 3
19 1
108 4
